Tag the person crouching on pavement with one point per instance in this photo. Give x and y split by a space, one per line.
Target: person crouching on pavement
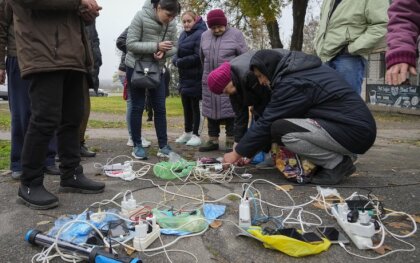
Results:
312 111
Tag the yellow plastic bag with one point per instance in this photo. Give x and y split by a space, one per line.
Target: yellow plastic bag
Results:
288 245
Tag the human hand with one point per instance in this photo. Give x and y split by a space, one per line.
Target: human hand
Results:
158 55
165 46
2 76
243 161
230 158
90 5
398 73
89 11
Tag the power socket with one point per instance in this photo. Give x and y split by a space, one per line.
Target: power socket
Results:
141 244
360 232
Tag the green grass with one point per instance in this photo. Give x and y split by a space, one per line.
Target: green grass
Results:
4 117
116 105
4 155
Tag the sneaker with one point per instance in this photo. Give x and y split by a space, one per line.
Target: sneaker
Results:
145 143
185 137
130 142
268 163
79 183
335 175
164 151
209 146
139 153
36 196
194 141
16 175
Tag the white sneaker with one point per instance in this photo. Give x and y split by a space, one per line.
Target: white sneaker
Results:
185 137
194 141
130 142
145 143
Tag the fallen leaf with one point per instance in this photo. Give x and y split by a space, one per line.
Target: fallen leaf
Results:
383 249
416 218
319 205
43 223
129 251
286 187
405 232
216 224
399 225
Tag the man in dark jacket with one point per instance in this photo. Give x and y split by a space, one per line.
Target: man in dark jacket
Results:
53 55
311 110
18 93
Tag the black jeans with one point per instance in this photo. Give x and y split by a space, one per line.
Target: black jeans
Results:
214 126
57 104
192 114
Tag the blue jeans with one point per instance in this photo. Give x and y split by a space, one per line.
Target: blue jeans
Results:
128 109
351 68
20 109
157 97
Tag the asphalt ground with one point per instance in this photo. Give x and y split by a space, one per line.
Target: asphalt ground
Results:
390 171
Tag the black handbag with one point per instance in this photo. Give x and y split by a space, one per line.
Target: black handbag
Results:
147 74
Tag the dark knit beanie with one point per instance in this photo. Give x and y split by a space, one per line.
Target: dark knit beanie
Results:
216 17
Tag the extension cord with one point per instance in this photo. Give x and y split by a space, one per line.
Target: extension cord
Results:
360 234
141 244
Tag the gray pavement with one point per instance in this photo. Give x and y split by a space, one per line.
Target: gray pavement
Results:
390 170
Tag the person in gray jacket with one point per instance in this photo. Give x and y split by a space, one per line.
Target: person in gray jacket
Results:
219 44
151 36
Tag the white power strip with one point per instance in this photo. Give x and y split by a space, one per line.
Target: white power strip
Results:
360 232
141 244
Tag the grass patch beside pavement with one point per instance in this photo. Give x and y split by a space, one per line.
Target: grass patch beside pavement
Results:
116 105
4 155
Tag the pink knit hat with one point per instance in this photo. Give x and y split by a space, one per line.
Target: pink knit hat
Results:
219 78
216 17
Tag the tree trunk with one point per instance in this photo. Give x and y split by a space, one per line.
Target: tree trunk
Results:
274 34
299 12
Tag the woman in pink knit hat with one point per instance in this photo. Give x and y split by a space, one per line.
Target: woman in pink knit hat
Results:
219 44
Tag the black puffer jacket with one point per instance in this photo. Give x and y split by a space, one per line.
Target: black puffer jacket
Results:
122 45
304 88
94 43
187 59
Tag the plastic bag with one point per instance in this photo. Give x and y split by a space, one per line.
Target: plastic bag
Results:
288 245
192 222
173 170
293 167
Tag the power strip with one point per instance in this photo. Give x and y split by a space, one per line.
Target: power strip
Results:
141 244
360 232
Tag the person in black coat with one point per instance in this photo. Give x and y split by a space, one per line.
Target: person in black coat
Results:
187 59
311 110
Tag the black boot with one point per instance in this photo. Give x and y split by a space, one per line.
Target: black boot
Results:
36 196
52 170
85 152
77 182
335 175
